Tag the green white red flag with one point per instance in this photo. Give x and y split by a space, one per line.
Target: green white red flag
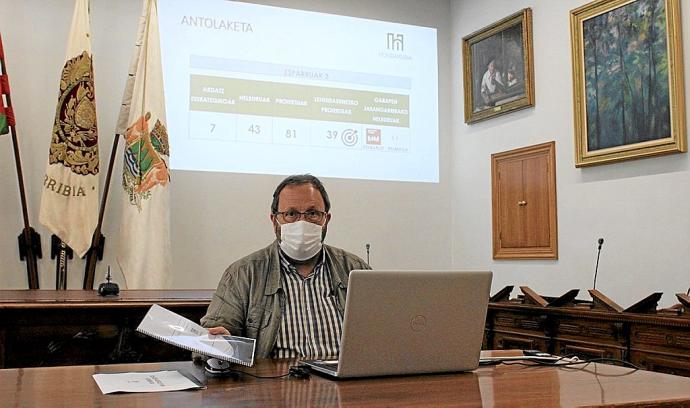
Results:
144 250
69 203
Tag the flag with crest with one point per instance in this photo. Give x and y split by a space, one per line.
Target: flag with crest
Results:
69 202
144 250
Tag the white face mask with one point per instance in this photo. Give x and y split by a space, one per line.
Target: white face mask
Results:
300 240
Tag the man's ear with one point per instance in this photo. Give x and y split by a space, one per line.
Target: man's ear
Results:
276 226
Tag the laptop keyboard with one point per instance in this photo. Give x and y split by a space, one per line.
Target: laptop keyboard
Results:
330 366
327 364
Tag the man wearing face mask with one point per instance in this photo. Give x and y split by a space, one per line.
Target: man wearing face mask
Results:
289 296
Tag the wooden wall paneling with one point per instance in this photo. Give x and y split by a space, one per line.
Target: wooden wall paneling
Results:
669 364
590 338
53 328
661 344
85 336
658 341
519 330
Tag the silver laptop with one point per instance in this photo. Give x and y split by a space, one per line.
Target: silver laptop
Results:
410 322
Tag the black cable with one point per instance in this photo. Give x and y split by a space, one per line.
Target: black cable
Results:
620 363
302 372
570 363
602 395
585 369
261 377
294 371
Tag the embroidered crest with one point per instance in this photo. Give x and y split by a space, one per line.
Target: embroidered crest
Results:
145 166
75 137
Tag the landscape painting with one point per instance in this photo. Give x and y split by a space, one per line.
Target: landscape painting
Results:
629 81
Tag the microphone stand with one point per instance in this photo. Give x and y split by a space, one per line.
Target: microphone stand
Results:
596 268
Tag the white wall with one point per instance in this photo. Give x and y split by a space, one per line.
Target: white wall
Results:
639 207
217 218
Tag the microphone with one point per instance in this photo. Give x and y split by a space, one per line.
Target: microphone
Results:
600 241
108 288
367 246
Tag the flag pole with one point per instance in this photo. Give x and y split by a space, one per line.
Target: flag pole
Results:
60 252
29 239
95 253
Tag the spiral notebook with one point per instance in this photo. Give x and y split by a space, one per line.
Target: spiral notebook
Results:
162 324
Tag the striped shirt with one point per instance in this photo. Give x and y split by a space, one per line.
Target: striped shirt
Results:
311 324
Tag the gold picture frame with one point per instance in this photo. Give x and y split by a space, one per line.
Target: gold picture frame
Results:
627 80
498 68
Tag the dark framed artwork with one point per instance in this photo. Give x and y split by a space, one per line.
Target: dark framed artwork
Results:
498 68
628 80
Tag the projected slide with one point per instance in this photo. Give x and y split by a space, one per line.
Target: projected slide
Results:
267 90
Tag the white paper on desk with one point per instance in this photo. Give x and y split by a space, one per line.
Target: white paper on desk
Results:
167 326
157 381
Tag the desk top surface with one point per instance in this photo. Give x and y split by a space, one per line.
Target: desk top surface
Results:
494 386
13 299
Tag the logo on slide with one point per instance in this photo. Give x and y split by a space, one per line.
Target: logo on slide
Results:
396 42
349 137
374 137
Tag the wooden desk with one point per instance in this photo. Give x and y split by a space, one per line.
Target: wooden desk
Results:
657 341
48 327
495 386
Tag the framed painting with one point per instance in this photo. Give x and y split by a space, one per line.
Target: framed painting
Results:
628 80
498 68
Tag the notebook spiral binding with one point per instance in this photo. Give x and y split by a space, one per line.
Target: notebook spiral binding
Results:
171 328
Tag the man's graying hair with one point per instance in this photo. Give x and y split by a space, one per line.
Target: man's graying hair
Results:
300 179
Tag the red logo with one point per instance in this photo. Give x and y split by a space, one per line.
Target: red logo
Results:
374 136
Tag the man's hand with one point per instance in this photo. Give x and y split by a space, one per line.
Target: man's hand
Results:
218 331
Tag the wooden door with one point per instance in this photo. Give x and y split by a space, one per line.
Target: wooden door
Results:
524 203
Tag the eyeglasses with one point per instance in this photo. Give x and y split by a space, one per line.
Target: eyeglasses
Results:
289 216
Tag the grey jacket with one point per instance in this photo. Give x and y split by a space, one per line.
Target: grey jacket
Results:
250 299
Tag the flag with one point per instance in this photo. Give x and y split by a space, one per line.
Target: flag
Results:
6 117
69 202
144 250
